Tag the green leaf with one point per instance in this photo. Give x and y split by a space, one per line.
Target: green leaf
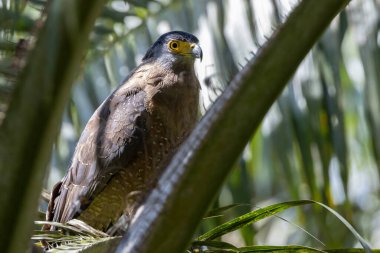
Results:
219 247
348 225
218 211
290 248
262 213
214 244
249 218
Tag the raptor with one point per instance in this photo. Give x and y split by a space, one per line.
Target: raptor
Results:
131 137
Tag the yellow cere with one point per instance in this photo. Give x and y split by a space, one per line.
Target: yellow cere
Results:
181 47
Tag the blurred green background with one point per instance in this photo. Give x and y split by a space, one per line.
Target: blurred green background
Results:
319 141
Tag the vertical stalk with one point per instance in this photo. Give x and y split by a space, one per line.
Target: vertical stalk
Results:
34 115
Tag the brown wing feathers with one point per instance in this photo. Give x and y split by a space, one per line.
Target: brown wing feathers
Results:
110 140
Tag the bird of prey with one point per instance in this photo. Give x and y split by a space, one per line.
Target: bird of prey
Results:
131 137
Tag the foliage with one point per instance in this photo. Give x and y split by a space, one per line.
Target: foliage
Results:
82 239
319 141
28 131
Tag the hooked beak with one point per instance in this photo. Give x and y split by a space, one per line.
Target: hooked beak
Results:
196 51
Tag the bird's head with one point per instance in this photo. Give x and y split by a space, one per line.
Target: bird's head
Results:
175 47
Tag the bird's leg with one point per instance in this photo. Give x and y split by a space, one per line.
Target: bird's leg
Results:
120 226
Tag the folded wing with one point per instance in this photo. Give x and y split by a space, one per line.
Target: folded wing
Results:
110 140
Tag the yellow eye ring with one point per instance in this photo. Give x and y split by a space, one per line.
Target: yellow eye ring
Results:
174 45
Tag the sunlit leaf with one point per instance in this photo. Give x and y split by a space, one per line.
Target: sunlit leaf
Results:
250 218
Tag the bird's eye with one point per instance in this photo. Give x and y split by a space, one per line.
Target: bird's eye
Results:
180 47
174 45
